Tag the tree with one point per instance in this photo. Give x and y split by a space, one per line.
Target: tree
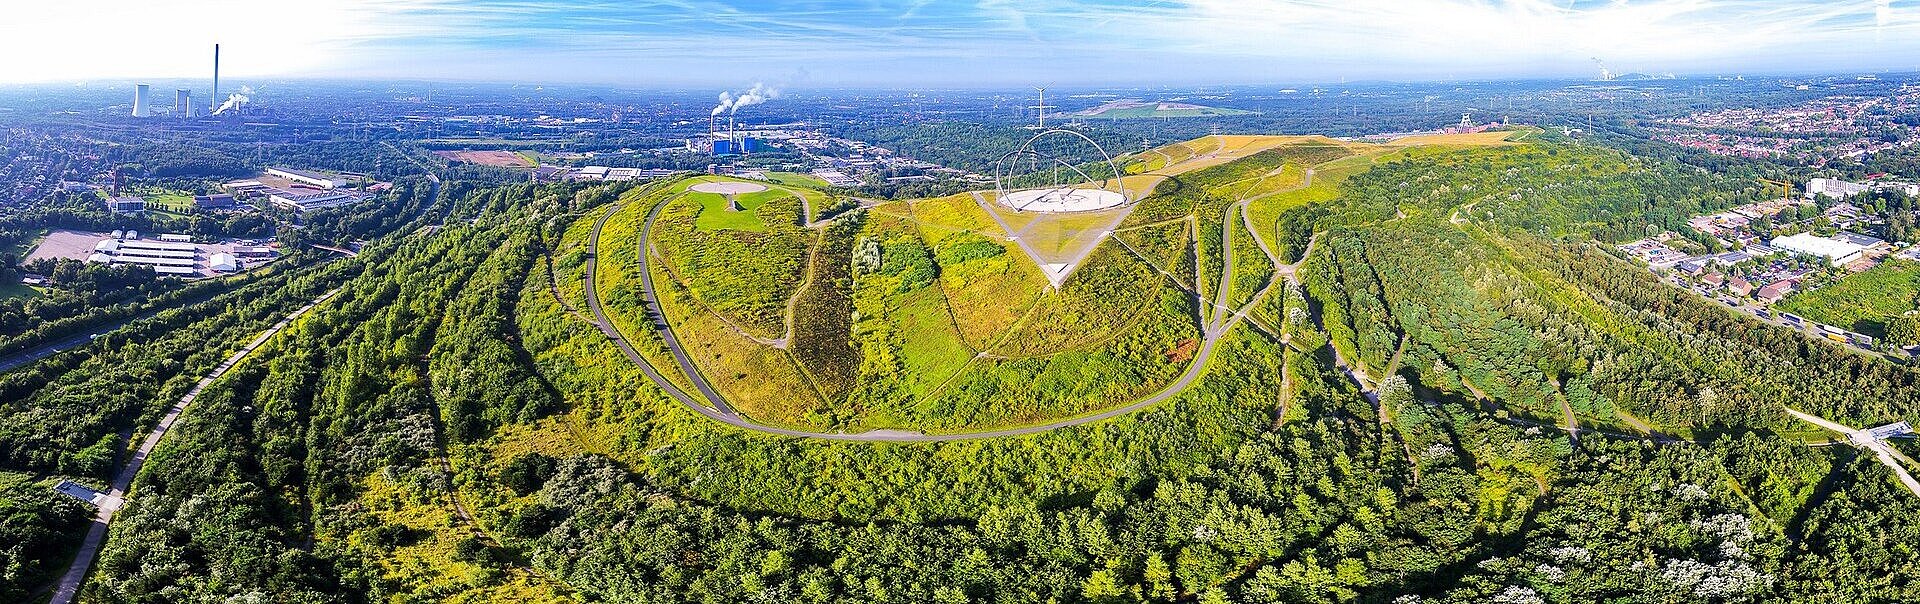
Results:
1904 330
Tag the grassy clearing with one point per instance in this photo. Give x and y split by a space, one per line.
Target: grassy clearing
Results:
715 215
1491 138
796 179
1122 363
16 289
745 275
906 335
763 382
1861 302
1060 237
171 202
1166 245
823 316
987 291
418 539
958 212
1103 295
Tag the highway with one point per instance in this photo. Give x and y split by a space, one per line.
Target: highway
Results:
715 407
69 586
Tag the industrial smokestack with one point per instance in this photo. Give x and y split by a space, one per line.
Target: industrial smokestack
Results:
216 78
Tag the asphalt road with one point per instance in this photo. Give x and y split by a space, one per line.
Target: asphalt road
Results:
716 407
69 585
23 358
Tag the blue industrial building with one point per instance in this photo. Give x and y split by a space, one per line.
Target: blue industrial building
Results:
723 146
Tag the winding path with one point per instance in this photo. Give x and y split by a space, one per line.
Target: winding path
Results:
715 407
69 585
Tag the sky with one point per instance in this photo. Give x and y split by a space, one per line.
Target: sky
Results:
917 43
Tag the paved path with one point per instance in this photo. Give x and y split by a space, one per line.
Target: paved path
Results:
715 407
69 585
1879 447
338 250
26 357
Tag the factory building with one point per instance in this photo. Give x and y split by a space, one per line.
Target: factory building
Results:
217 201
223 263
126 205
1833 187
311 201
182 103
736 146
1835 251
317 179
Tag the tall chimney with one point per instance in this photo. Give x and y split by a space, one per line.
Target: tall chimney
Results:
216 77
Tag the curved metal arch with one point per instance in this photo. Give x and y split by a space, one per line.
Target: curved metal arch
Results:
999 169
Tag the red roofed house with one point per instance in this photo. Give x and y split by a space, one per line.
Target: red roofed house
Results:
1739 286
1774 291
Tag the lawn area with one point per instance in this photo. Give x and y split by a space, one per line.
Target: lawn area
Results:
1861 302
16 289
170 202
958 212
716 216
744 263
1474 139
796 179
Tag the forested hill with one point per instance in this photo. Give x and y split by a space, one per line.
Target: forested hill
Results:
453 427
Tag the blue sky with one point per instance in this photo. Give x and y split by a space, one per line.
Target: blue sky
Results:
928 43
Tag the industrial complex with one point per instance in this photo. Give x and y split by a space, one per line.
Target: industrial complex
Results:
170 254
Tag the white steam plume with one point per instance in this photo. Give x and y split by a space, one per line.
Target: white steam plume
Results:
760 93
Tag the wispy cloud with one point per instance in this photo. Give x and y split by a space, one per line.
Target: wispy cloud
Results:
922 41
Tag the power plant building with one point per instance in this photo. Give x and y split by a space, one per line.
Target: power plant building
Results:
183 103
142 105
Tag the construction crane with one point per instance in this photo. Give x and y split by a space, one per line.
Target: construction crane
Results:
1786 188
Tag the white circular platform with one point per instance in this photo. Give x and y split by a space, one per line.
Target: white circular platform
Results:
1063 200
728 187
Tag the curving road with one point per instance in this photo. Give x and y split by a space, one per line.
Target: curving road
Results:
69 585
715 407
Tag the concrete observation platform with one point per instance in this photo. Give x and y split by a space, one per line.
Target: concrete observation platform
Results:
1062 200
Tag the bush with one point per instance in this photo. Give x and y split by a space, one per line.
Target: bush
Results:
527 473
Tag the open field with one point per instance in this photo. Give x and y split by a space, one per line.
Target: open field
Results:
496 159
796 179
1861 302
1135 109
1475 139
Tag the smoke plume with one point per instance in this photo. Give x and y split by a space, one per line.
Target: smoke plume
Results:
236 100
760 93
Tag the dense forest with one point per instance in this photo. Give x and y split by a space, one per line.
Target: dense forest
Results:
450 426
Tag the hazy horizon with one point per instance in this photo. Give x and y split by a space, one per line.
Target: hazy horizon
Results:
975 45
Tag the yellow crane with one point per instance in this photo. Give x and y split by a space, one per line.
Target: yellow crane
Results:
1786 188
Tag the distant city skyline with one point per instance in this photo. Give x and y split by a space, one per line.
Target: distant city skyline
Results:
980 43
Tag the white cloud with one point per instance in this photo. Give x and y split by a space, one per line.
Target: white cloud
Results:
916 41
